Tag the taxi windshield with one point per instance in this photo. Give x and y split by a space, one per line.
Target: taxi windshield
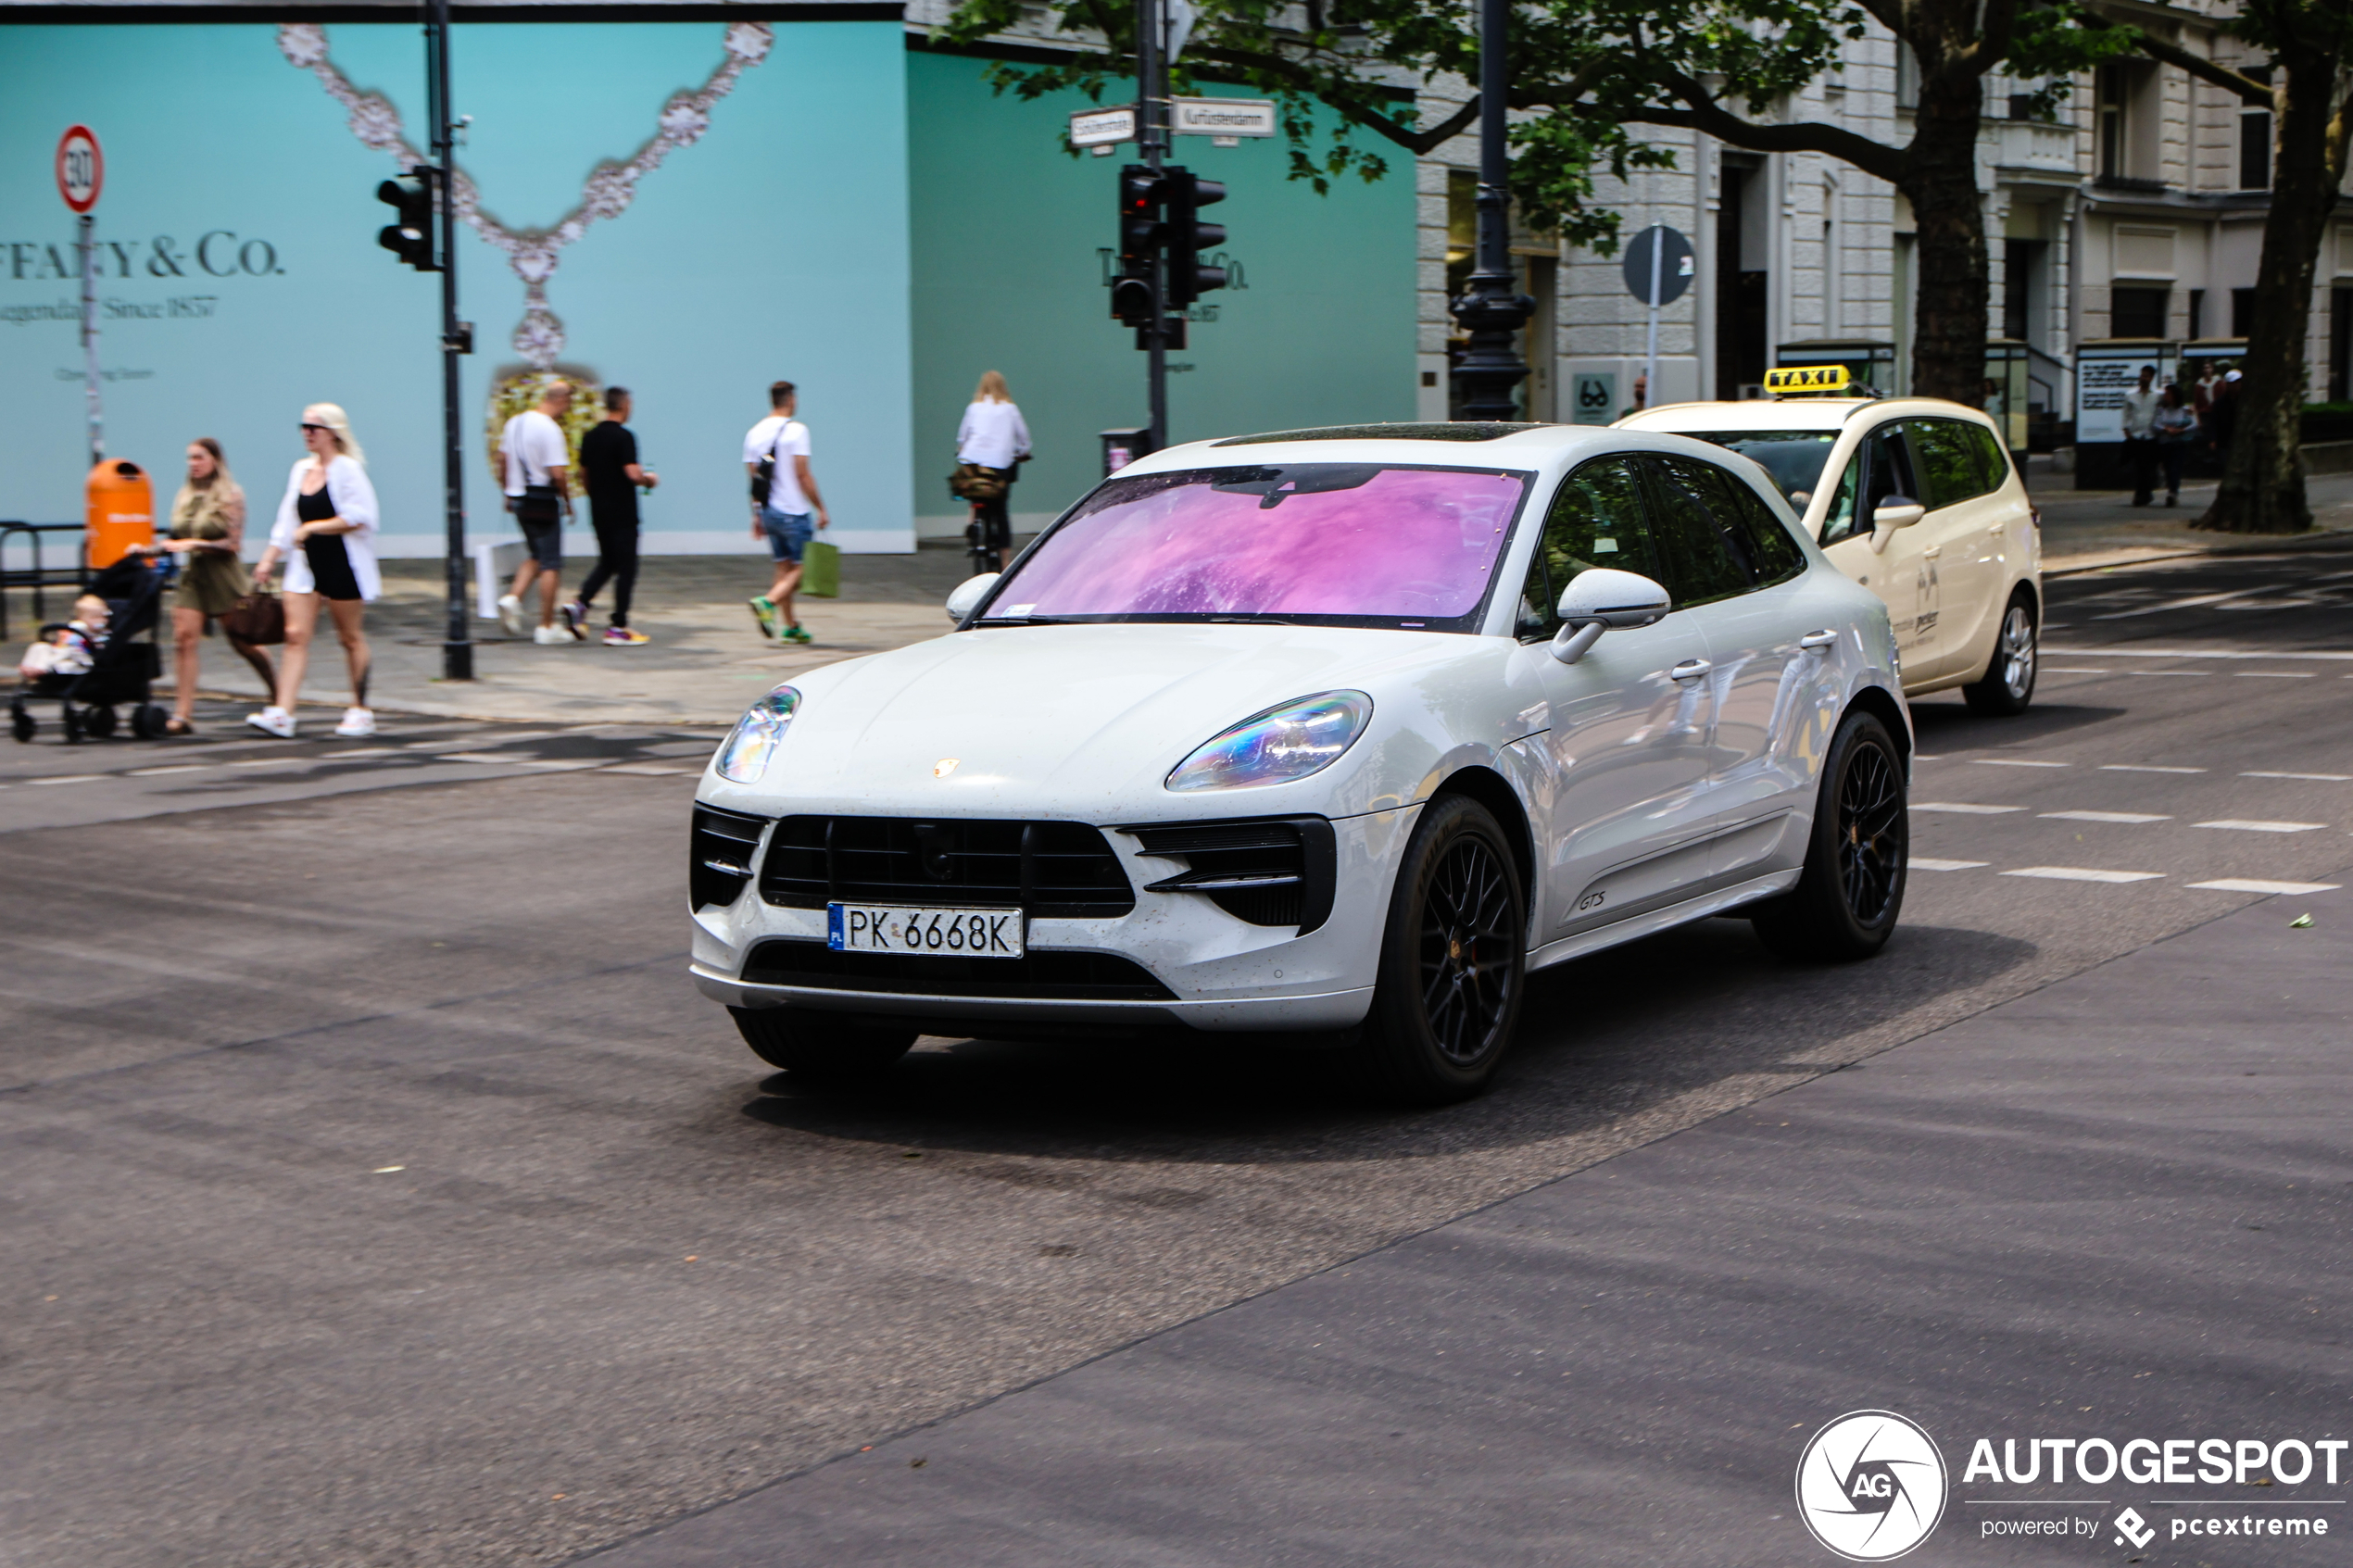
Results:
1795 458
1345 543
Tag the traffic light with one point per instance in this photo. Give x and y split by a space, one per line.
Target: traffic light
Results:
410 238
1188 236
1141 192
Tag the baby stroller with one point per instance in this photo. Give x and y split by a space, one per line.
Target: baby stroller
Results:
123 662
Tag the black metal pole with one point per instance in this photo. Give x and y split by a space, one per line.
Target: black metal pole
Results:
1492 309
1152 93
457 647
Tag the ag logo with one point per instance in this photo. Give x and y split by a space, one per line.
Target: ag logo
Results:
1870 1485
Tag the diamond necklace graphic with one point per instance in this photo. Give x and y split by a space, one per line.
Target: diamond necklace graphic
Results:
610 188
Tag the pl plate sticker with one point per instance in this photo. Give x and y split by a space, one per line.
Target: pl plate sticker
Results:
1870 1485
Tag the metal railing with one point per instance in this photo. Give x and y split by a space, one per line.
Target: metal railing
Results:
40 576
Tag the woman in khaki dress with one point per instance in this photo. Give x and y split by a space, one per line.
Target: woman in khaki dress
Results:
208 532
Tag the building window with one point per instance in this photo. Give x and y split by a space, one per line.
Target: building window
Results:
2198 313
2020 260
1907 76
2112 91
2242 312
2138 312
2255 138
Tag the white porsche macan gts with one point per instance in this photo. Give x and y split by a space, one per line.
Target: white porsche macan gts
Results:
1333 734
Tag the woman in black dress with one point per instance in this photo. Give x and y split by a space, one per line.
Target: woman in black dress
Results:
324 525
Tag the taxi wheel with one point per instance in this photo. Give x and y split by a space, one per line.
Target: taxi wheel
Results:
818 1052
1453 963
1846 901
2008 685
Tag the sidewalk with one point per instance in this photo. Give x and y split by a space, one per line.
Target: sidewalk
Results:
2111 1209
2083 530
706 662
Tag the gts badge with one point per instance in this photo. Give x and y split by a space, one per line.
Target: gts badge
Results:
1590 901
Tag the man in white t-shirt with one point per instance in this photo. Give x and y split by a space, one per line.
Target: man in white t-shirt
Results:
537 464
776 449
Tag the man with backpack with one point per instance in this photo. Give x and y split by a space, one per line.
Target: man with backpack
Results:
783 501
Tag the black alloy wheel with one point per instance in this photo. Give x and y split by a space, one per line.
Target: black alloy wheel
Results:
1453 960
1858 857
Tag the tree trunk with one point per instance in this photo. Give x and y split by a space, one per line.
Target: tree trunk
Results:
1948 215
2262 488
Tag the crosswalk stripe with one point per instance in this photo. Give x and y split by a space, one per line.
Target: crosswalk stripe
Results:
2144 767
1923 863
2249 884
2105 817
2015 762
2240 824
2083 874
1964 807
2316 778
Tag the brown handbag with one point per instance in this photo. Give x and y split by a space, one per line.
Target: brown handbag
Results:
258 618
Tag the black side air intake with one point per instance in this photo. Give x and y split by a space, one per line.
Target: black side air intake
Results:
719 862
1266 871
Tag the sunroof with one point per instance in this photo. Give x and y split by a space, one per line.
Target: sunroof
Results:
1468 429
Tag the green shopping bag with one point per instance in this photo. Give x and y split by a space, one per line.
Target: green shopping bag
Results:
820 570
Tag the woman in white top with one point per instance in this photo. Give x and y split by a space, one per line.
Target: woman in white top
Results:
993 436
329 511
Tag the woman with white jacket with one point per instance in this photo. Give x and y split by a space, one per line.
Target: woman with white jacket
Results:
324 523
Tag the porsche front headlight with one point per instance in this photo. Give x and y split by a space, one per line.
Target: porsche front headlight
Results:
1277 746
743 756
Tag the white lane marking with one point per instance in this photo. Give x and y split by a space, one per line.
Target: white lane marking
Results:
2200 675
2076 669
1964 807
2241 824
2144 767
2190 603
2316 778
649 770
553 767
174 768
2105 817
2276 675
368 751
2249 884
477 757
2083 874
70 778
281 762
2197 653
2015 762
1922 863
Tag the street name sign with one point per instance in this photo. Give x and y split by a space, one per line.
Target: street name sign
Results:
1103 128
1223 116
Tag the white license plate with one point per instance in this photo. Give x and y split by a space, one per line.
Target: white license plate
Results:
892 928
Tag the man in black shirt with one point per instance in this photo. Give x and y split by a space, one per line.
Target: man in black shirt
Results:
608 464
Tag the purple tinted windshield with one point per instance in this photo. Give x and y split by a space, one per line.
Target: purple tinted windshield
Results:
1301 539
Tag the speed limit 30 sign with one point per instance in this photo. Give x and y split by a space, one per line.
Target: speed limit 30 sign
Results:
82 167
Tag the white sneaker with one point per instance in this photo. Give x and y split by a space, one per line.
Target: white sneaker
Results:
357 721
510 614
273 720
551 636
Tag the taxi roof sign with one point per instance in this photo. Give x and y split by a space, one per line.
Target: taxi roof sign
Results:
1806 377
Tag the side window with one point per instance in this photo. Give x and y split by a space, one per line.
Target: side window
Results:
1889 473
1596 520
1991 458
1704 551
1948 461
1772 552
1839 523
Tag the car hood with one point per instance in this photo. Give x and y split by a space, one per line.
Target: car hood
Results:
1085 721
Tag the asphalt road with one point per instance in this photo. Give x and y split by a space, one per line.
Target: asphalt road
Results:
382 1194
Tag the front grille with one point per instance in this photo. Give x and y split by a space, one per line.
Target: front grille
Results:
1058 869
1264 871
720 860
1041 974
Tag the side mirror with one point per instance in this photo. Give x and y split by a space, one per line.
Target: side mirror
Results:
1600 599
968 595
1898 511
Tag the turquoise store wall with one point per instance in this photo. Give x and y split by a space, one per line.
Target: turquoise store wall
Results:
1006 277
775 245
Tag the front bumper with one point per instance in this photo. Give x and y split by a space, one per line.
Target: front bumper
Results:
1221 973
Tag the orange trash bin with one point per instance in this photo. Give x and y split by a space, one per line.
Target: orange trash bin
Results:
121 511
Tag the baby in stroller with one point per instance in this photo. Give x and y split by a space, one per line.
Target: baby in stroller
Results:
99 660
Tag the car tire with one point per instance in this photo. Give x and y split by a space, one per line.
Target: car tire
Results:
818 1052
1847 898
1453 960
2007 686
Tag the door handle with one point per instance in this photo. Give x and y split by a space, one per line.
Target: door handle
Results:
1689 669
1818 640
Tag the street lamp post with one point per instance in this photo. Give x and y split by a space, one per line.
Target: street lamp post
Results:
457 338
1492 309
